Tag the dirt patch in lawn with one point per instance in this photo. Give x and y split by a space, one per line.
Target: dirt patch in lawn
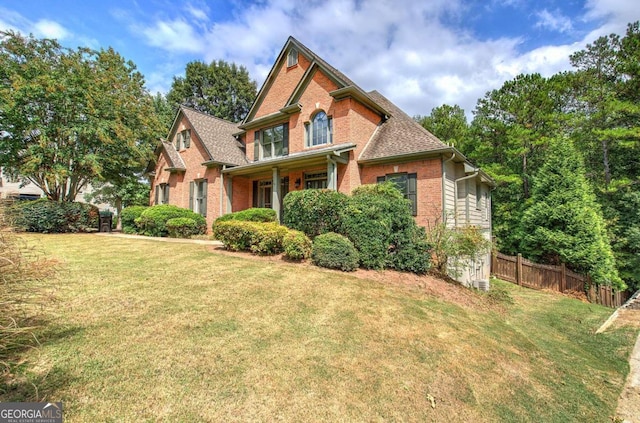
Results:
447 290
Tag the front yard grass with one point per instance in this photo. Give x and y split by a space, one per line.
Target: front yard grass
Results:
146 331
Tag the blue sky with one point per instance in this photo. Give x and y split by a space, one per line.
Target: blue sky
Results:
418 54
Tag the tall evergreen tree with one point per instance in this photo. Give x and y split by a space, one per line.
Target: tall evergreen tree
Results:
447 123
220 89
564 223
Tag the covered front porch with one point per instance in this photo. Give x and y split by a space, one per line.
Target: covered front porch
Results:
272 179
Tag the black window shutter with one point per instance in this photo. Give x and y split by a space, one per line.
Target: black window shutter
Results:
255 193
187 138
412 192
203 210
157 194
285 140
256 146
192 186
165 197
380 179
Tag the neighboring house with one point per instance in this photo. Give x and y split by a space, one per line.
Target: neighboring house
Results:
11 188
312 127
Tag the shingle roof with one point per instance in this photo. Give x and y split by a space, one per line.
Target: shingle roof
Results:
217 136
175 161
398 135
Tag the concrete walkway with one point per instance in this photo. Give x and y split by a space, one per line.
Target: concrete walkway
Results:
160 239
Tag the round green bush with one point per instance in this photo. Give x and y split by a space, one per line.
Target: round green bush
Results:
182 227
334 251
313 211
128 218
153 220
48 216
256 214
296 245
258 237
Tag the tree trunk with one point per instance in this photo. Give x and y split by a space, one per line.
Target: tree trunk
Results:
118 211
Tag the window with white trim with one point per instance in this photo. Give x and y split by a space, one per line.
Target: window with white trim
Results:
319 131
316 180
271 142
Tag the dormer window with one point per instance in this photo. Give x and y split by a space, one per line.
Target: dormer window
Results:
292 57
319 131
183 139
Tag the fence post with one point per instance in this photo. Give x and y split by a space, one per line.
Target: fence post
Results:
563 279
519 269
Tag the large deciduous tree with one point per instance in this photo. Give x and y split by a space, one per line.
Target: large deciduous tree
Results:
220 89
68 117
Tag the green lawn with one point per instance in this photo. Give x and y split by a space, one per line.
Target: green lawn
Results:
146 331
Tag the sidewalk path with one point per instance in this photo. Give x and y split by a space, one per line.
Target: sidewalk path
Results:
161 239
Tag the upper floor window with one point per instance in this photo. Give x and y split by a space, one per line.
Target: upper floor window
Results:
292 57
183 139
271 142
319 131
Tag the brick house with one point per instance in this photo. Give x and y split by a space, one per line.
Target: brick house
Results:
312 127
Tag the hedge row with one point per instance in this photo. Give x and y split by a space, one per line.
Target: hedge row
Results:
162 220
48 216
256 214
128 217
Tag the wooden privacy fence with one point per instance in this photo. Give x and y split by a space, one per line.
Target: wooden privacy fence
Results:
526 273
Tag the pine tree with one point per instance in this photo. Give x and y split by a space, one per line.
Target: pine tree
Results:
564 223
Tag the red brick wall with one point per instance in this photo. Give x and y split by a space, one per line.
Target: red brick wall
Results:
283 85
429 174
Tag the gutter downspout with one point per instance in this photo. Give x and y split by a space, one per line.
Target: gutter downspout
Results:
444 187
455 193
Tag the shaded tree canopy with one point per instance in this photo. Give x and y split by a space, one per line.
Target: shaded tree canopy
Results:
220 89
71 116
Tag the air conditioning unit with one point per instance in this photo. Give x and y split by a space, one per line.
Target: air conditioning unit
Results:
482 285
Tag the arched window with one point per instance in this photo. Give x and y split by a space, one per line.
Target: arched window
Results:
319 131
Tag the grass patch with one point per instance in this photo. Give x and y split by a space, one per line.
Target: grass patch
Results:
153 331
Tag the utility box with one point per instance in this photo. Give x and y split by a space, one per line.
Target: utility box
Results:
106 220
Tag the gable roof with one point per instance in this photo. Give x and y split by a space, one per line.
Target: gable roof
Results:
346 87
174 160
399 135
216 135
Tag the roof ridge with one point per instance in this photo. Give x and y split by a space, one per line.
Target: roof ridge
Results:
191 109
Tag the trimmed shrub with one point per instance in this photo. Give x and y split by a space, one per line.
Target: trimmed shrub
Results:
257 237
267 238
334 251
153 220
182 227
296 245
48 216
255 214
314 211
128 218
379 222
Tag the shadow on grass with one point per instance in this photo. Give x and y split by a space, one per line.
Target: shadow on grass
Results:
20 384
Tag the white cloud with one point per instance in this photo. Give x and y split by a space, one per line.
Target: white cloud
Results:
174 36
45 28
555 21
401 48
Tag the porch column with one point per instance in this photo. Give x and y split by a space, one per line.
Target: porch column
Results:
332 174
275 192
229 194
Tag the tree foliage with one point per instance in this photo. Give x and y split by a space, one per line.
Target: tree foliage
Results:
220 89
448 123
71 116
564 223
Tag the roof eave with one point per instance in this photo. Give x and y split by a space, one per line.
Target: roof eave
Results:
359 95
